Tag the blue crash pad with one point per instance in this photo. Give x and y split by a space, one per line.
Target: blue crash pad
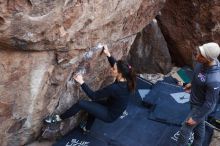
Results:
135 127
171 103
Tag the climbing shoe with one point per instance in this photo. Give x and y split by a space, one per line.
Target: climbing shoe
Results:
52 119
83 125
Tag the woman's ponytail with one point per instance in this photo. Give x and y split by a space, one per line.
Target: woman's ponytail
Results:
128 73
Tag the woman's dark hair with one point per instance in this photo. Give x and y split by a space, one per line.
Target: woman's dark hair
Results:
128 73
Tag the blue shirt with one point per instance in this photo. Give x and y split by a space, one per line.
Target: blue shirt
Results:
205 89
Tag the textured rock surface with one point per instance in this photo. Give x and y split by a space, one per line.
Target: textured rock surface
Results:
64 33
149 52
34 84
215 139
187 24
71 24
23 83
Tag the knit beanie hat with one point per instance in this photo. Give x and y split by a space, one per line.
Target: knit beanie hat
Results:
210 51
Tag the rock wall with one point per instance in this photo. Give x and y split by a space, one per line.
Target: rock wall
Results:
187 24
71 24
43 42
23 83
149 52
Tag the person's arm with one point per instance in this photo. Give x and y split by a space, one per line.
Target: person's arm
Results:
187 84
212 95
111 59
101 93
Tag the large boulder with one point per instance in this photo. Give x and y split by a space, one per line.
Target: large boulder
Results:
71 24
42 43
187 24
23 83
149 52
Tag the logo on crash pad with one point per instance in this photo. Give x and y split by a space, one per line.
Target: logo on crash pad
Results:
143 93
75 142
181 97
124 114
177 134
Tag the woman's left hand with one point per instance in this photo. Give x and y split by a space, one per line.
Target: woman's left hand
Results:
78 78
106 51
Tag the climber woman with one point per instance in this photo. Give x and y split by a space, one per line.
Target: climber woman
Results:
117 94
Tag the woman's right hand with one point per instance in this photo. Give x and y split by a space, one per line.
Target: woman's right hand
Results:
106 51
78 78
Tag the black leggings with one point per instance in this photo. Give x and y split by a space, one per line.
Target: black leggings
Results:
94 108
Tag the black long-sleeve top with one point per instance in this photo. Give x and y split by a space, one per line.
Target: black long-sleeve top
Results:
117 93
